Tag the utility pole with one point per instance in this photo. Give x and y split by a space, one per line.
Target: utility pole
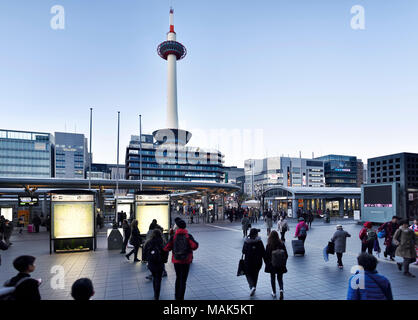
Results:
90 153
140 151
117 167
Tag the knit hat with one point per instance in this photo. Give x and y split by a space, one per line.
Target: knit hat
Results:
181 224
254 232
368 224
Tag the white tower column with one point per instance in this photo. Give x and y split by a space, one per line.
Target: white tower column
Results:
172 114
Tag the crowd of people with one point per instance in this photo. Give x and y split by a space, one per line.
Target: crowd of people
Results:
400 240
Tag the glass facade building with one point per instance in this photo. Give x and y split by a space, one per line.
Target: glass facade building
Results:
26 154
340 171
71 155
172 164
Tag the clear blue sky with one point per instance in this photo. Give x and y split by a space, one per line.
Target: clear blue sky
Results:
293 68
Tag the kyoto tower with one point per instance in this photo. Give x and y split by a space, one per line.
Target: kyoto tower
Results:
171 50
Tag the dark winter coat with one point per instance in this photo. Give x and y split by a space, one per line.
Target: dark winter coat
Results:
254 253
269 268
126 231
27 290
340 240
135 237
36 221
155 244
390 229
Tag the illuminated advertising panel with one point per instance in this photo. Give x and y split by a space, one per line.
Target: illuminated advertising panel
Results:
72 220
146 212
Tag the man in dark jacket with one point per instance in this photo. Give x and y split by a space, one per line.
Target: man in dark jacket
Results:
26 288
126 234
183 244
254 253
390 228
367 284
36 222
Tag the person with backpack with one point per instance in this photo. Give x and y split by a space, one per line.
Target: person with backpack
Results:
254 252
340 242
245 222
373 285
126 234
388 229
182 244
301 230
26 288
275 260
156 258
135 240
367 236
82 289
406 240
283 227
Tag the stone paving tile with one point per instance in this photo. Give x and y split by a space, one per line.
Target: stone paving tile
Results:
213 272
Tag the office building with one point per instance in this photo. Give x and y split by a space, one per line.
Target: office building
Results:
360 173
106 171
340 171
26 154
400 168
261 174
177 164
71 155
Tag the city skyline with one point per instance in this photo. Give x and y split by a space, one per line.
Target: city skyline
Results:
304 79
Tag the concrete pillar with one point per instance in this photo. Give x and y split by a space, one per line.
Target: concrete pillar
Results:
341 207
294 208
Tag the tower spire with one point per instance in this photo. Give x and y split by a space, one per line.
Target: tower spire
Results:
171 20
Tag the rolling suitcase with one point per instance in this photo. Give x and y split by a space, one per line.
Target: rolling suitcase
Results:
298 247
30 228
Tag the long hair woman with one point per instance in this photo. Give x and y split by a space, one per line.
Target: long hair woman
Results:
275 260
135 240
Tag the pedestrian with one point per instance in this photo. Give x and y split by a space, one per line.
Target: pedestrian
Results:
406 240
414 228
372 286
283 227
135 240
126 234
182 244
36 222
389 228
340 242
310 218
82 289
7 231
48 223
269 221
245 222
153 226
26 288
367 236
156 258
98 220
254 252
275 260
301 230
20 224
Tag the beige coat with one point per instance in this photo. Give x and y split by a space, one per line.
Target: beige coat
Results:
406 240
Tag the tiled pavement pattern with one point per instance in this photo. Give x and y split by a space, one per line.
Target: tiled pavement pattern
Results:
213 272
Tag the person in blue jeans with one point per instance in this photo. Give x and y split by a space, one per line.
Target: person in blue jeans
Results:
368 284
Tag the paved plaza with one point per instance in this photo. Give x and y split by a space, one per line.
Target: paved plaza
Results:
213 271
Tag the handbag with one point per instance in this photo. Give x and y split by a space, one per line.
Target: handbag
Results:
331 248
241 267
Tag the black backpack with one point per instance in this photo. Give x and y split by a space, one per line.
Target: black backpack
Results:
8 293
181 247
278 258
154 254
